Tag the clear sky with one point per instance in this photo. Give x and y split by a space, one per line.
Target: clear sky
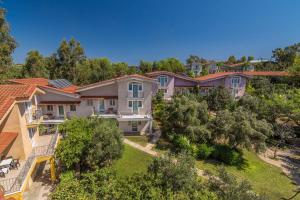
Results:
131 30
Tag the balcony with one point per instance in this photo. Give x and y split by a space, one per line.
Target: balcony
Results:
133 95
35 118
51 119
14 180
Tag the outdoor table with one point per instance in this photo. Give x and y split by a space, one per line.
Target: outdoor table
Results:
6 162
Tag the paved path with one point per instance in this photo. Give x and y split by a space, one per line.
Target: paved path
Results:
148 149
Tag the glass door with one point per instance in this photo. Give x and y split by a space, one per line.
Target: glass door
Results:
61 111
135 91
135 107
28 110
101 106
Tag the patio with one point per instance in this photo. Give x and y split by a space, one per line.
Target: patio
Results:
14 179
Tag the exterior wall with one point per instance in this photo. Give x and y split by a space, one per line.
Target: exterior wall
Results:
126 127
107 90
226 82
15 122
53 96
242 86
123 97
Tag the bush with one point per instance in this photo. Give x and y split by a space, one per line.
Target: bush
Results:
182 143
227 155
204 151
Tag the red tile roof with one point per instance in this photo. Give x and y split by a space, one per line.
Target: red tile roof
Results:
11 93
267 73
6 138
216 75
254 73
31 81
115 79
43 82
59 102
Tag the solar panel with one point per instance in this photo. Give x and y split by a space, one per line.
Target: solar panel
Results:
60 83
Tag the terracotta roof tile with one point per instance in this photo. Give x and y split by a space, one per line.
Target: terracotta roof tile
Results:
43 82
254 73
6 138
11 93
267 73
31 81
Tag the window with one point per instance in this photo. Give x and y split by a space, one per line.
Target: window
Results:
164 91
140 104
31 132
136 103
134 85
73 108
163 80
235 81
89 102
112 102
49 108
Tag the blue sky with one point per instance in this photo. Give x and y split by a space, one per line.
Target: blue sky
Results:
131 30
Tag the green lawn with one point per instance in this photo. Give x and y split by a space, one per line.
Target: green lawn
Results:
265 178
132 161
139 139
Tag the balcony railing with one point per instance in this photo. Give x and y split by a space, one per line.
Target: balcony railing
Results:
14 184
139 94
34 118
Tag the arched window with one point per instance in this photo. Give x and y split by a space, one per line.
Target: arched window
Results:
163 81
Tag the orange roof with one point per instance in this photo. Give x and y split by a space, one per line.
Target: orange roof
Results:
43 82
254 73
11 93
115 79
6 138
31 81
267 73
216 75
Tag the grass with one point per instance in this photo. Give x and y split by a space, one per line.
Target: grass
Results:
132 161
265 178
139 139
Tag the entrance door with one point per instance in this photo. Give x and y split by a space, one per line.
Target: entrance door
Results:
135 107
61 111
101 106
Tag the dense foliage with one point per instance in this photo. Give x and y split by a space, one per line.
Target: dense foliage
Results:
89 143
168 177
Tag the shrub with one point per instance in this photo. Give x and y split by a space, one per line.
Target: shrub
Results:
227 155
204 151
182 143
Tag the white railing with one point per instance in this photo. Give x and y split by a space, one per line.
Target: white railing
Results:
139 94
34 117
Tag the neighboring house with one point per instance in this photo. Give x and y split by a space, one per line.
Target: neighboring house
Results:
238 67
171 83
212 68
20 139
127 99
195 68
235 82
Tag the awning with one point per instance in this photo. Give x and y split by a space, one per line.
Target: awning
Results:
6 138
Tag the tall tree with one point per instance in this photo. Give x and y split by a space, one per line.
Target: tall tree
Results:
63 63
231 60
145 66
120 68
35 65
7 45
169 64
